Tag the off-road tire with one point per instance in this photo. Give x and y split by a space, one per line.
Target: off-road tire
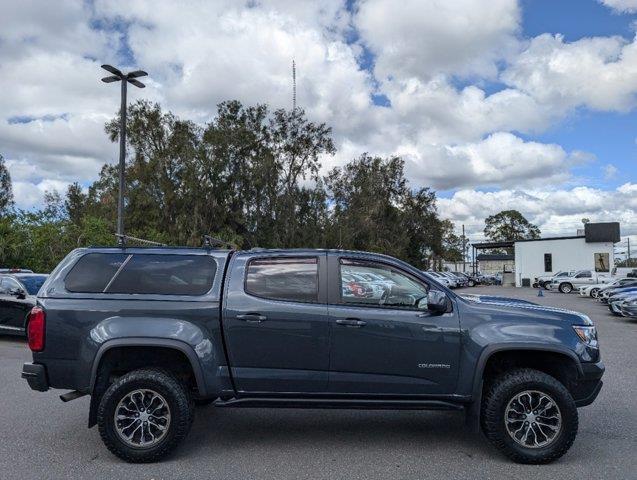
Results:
181 411
498 394
566 287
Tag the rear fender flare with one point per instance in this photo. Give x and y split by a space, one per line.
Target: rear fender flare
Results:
182 347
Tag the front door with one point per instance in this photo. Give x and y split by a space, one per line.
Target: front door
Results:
384 340
13 309
275 323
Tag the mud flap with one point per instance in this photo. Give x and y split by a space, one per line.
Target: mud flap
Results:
472 411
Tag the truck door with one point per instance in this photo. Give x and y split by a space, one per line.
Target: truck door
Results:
275 322
13 308
382 341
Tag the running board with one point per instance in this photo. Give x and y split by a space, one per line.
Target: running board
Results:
339 403
67 397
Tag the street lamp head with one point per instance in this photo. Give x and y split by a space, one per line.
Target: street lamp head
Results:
136 74
113 70
137 83
111 79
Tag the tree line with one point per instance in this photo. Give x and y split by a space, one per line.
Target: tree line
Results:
251 177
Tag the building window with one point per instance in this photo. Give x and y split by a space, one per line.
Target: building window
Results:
548 262
602 262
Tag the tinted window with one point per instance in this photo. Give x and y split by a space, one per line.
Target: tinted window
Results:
165 275
374 284
7 284
93 271
293 279
548 262
32 283
584 275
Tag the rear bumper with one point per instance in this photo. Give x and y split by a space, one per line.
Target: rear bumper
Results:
589 386
35 375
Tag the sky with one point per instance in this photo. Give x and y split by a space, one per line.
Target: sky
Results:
527 105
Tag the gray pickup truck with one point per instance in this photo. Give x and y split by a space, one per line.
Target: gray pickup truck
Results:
149 333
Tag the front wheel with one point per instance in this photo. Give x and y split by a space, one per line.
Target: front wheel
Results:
529 416
566 288
144 415
594 292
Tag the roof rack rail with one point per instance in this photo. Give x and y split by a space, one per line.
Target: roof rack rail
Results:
212 242
122 240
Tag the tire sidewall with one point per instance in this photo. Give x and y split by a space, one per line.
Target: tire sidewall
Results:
179 417
568 411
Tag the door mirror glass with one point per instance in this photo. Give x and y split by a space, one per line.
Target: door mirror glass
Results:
437 301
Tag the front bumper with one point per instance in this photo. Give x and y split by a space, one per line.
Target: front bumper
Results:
629 310
35 375
589 385
615 307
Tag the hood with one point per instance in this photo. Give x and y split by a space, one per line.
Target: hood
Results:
503 306
494 299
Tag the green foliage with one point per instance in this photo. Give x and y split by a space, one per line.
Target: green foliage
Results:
250 177
509 225
6 192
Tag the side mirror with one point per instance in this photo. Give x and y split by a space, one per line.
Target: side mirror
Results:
437 301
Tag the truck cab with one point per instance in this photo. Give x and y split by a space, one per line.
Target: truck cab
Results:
147 332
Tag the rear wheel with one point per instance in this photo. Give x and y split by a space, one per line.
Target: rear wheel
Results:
529 416
144 415
566 287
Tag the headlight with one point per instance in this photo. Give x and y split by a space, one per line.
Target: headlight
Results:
587 334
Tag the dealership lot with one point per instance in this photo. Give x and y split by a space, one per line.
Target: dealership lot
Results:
42 437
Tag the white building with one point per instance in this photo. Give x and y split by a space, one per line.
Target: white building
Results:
589 250
536 258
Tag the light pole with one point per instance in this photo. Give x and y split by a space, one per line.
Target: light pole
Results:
118 76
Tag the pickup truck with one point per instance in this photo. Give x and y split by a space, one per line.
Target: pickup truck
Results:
149 333
545 280
580 278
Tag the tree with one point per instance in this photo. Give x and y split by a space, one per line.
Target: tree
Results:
6 190
509 225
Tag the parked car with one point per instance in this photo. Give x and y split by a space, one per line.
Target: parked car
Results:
567 284
606 295
15 270
472 280
147 332
17 298
545 280
594 290
461 280
628 307
446 280
617 300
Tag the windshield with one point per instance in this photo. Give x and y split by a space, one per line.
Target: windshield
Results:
32 283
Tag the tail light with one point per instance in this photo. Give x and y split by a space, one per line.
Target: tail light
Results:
35 329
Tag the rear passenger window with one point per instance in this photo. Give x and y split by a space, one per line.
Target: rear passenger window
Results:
292 279
165 275
93 271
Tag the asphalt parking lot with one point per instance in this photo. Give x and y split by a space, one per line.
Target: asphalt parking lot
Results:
45 438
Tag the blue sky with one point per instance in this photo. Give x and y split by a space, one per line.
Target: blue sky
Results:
526 104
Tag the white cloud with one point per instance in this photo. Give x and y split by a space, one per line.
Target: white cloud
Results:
415 38
621 6
599 72
556 212
610 172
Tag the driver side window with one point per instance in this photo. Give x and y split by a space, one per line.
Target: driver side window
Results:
378 285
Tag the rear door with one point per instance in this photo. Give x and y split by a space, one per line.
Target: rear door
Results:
383 341
275 322
13 310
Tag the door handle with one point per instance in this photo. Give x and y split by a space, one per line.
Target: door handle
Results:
351 322
252 317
